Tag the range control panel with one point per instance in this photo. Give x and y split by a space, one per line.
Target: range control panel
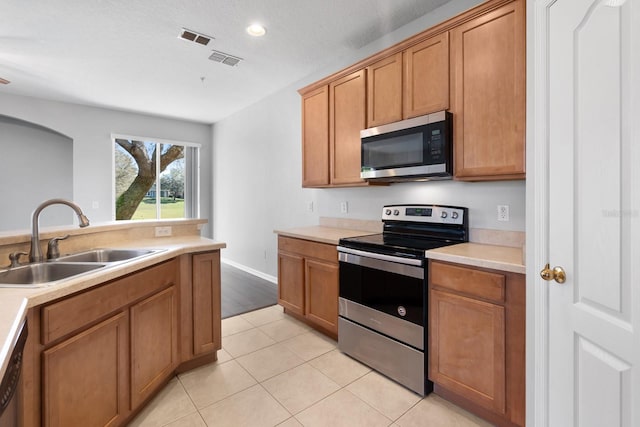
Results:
424 213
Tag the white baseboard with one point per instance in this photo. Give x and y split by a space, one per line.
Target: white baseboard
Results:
250 270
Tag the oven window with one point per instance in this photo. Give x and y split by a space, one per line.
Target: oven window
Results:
384 291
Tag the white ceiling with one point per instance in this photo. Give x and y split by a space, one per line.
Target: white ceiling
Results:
126 54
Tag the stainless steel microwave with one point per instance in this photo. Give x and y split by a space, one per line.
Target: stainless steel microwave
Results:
410 150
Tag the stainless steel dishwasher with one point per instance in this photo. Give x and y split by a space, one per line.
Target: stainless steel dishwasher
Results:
9 384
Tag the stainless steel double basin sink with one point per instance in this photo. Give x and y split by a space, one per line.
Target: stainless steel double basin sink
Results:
43 273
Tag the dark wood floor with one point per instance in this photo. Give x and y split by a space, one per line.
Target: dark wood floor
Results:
242 292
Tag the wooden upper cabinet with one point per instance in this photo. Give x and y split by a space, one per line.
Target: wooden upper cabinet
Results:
488 95
409 83
426 83
472 65
384 91
347 117
315 138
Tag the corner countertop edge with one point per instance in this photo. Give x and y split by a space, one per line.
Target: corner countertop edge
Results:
15 302
503 258
322 234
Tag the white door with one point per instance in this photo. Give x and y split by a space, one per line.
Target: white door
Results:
585 212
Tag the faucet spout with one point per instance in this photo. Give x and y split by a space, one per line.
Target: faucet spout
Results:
35 254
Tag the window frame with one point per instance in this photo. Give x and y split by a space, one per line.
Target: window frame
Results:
192 174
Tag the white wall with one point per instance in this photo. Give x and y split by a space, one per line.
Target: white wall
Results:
90 128
257 179
36 164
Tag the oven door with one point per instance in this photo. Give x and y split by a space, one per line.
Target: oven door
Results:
384 283
384 293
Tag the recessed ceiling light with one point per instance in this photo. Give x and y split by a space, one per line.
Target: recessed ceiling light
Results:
256 30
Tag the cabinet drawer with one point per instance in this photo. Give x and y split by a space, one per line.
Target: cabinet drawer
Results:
477 283
308 249
73 313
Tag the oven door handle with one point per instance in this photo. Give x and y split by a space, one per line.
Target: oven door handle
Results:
382 257
383 265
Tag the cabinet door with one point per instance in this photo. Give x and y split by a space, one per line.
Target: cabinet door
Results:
321 294
384 91
347 118
154 343
488 94
291 282
315 138
467 348
206 303
86 378
426 87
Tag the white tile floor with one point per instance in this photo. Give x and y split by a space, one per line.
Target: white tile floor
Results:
275 371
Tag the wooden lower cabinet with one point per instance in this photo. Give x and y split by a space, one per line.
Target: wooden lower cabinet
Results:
290 280
476 340
321 293
308 282
154 343
206 315
94 358
85 378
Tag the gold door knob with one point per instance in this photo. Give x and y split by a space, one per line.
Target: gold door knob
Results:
556 274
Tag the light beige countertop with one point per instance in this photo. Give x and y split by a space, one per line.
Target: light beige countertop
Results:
13 310
15 301
505 258
322 234
502 258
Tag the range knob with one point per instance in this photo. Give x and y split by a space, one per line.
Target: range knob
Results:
396 212
454 215
443 214
387 212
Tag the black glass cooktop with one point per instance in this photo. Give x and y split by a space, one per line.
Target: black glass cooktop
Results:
395 244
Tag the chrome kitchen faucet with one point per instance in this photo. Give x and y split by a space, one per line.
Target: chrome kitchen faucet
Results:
35 254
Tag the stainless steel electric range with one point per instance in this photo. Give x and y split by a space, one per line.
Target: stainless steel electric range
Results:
383 289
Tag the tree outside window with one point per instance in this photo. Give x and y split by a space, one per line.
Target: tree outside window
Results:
150 179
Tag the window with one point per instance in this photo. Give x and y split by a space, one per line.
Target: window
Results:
155 179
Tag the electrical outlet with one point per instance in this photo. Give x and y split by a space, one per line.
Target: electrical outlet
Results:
95 204
344 207
163 231
503 212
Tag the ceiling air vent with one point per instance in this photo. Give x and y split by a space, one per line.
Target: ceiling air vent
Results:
225 58
194 36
